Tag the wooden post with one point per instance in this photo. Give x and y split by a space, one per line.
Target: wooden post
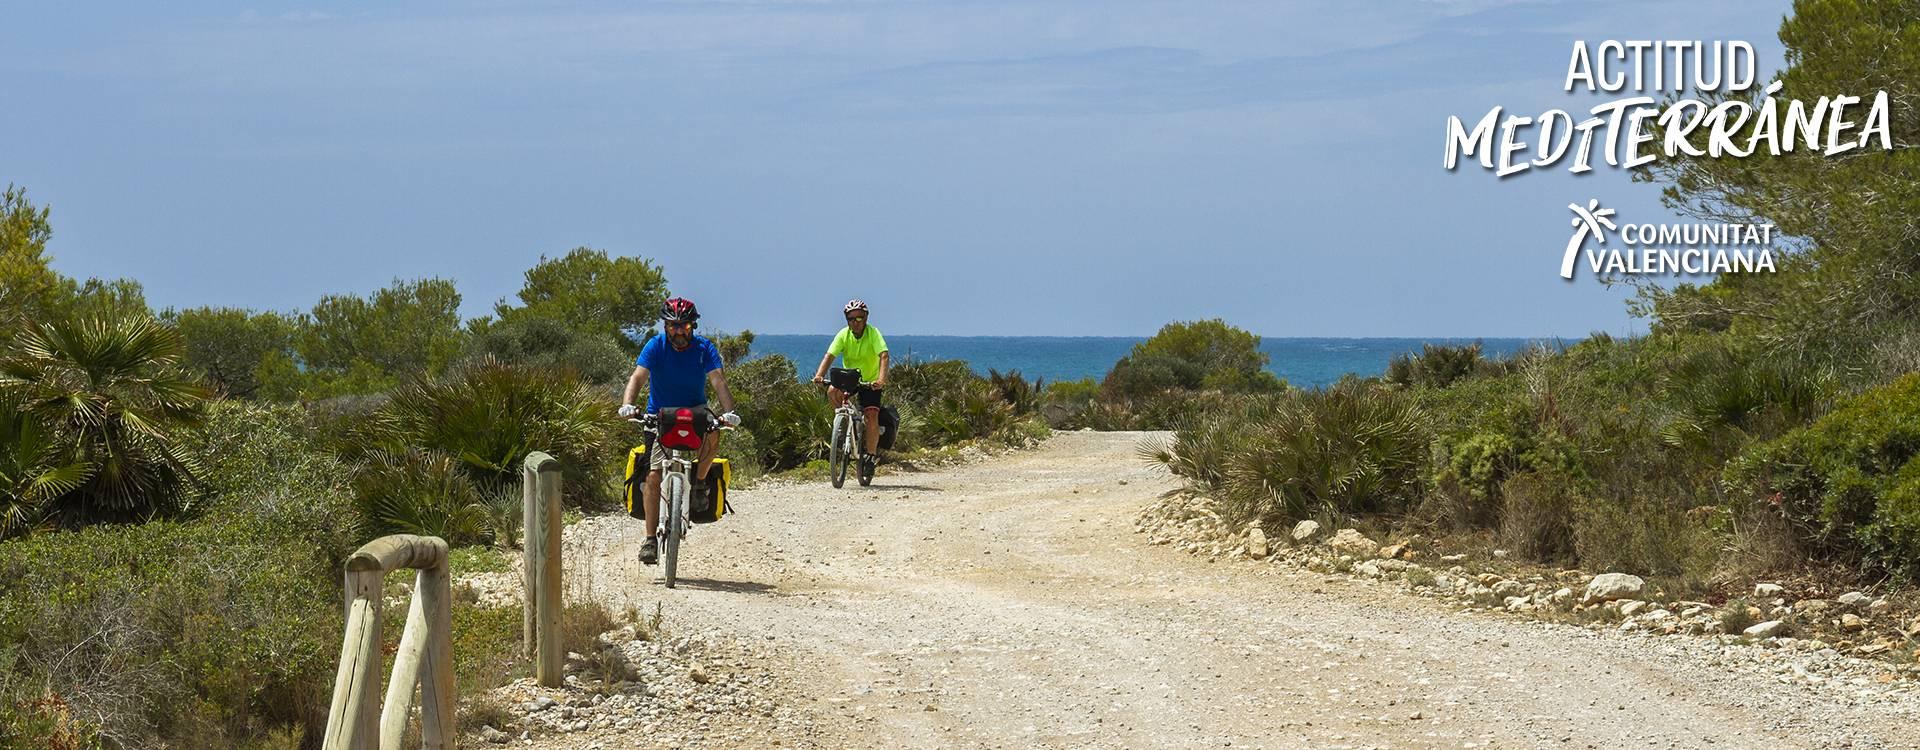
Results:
406 674
435 595
543 567
529 504
354 720
351 718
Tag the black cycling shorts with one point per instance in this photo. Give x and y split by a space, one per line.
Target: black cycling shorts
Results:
869 398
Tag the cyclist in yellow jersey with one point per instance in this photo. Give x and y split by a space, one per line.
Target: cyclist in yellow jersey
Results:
860 347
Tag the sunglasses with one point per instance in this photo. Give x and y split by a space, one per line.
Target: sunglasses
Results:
852 318
679 326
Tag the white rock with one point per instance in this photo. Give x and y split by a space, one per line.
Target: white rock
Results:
1766 629
1855 599
1256 542
1631 608
1508 588
1610 586
1350 542
1305 531
1768 590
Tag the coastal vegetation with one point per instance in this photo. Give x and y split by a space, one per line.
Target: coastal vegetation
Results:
1767 423
145 455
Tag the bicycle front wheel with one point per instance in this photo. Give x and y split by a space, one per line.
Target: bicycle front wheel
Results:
676 491
838 459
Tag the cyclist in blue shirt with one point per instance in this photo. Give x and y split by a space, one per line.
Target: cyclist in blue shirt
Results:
679 365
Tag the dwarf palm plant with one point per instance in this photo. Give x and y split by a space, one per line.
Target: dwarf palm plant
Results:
33 473
107 395
486 417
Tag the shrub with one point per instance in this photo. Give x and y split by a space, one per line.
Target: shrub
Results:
1066 403
1199 355
1537 519
426 493
1437 365
547 343
106 400
267 463
488 416
787 421
1352 449
197 634
1018 392
1849 482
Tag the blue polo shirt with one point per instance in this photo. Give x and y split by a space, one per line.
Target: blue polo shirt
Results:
677 378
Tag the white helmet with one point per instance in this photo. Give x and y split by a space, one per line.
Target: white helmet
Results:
853 305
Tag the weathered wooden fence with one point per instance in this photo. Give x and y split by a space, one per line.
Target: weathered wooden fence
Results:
540 618
425 656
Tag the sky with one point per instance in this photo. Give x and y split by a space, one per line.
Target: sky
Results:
968 168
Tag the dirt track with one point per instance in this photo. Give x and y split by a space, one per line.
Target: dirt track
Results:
1009 603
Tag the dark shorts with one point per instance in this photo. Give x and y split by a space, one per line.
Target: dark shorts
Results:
867 398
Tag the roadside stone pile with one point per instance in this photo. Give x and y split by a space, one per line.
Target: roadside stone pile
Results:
701 690
1853 625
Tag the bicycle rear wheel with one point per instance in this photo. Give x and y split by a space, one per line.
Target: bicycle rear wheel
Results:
676 490
838 459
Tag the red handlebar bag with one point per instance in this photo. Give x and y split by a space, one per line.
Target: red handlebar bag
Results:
680 429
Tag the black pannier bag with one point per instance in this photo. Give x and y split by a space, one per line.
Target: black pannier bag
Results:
889 427
844 379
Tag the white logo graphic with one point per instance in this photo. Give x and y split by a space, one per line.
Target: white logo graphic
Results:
1664 248
1586 221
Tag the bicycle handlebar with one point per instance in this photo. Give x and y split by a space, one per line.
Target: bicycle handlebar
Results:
652 422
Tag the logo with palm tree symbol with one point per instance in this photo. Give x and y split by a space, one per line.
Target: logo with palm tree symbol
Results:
1586 221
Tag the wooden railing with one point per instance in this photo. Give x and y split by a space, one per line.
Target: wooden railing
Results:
425 656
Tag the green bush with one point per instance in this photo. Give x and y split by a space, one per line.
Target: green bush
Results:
96 406
942 402
1066 403
547 343
1199 355
786 421
1437 365
1848 482
268 463
486 418
203 634
1350 450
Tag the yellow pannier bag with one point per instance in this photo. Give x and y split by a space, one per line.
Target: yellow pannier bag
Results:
708 504
636 473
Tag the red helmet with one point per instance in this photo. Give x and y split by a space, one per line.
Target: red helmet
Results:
853 305
679 310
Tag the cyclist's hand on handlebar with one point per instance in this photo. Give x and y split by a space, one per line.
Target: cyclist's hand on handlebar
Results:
819 380
732 419
878 385
628 410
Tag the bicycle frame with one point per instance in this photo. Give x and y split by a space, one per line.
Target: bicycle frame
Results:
848 438
676 488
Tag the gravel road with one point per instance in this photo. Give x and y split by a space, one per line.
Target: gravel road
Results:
1008 603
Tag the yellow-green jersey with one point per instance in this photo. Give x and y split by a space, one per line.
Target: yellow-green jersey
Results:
859 352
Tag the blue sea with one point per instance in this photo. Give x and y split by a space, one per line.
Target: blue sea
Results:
1304 362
